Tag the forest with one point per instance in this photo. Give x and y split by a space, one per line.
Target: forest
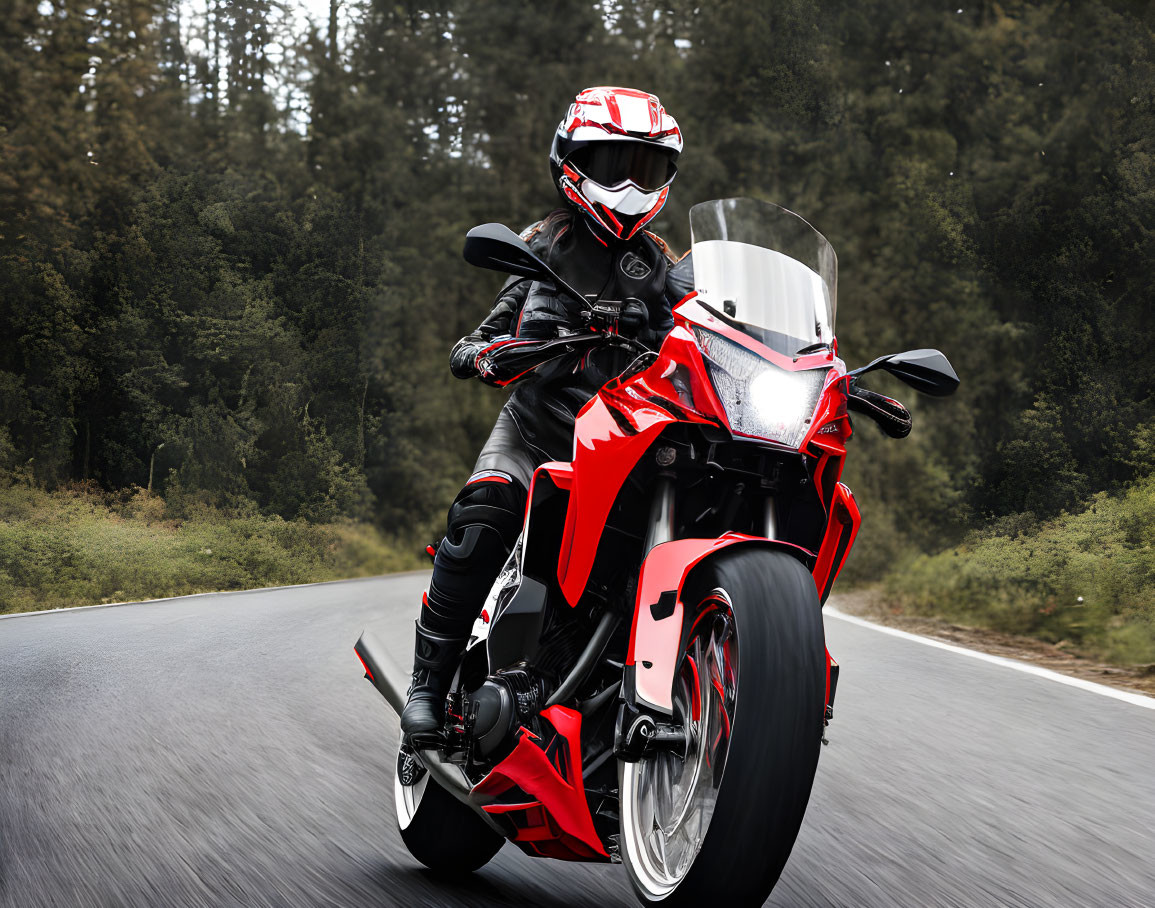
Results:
230 256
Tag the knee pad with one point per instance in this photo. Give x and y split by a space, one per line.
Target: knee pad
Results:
495 505
483 525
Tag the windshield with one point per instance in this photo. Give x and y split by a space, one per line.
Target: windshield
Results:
767 269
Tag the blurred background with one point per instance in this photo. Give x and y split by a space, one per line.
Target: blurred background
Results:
230 275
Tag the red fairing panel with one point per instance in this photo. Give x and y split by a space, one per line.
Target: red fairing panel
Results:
560 473
604 455
558 822
655 639
841 528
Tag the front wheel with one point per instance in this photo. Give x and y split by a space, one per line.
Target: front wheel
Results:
717 826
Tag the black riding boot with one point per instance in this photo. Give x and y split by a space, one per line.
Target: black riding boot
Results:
464 568
435 659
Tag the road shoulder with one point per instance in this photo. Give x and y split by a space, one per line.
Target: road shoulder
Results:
868 605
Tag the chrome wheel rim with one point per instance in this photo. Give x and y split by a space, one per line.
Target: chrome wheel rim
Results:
667 802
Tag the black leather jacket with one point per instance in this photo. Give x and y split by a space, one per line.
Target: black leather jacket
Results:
545 404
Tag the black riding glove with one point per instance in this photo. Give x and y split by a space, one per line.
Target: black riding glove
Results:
633 317
463 358
891 416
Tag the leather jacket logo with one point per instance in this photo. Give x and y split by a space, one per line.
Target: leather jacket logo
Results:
634 266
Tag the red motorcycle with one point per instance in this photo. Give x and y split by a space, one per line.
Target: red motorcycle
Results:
648 682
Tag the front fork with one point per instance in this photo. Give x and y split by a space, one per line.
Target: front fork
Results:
637 732
661 525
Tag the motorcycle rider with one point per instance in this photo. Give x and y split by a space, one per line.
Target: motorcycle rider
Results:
613 160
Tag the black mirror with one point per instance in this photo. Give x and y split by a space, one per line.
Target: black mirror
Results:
927 371
496 247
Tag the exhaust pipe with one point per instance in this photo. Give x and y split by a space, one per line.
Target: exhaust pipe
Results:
450 776
376 664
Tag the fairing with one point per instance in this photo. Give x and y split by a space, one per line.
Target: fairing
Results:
612 433
539 789
841 528
616 428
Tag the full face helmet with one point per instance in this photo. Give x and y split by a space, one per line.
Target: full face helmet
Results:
614 157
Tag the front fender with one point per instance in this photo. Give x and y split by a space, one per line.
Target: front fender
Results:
656 632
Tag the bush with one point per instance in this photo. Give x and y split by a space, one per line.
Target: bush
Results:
78 546
1087 579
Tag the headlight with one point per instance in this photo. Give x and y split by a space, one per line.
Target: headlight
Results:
760 398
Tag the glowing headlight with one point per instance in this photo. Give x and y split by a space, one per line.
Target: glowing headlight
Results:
760 398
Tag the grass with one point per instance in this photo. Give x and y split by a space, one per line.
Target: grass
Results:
1085 580
79 546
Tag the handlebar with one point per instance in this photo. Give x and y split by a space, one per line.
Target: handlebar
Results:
509 359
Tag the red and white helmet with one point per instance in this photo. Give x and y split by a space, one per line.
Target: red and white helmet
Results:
614 157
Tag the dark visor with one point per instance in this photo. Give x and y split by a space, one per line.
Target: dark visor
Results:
611 163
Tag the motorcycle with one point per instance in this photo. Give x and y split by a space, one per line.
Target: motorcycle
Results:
648 682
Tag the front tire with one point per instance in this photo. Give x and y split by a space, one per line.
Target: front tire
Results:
441 832
718 827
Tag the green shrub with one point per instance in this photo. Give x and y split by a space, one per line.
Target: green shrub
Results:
1087 578
78 546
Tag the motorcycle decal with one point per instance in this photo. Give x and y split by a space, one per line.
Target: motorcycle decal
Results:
622 420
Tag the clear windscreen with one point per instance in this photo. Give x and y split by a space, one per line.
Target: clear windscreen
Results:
766 269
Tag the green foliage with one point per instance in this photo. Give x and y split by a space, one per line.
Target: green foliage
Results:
78 546
1085 578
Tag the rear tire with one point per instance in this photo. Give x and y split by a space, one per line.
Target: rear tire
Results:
441 832
775 734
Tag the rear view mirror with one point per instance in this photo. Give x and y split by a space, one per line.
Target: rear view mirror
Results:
927 371
496 247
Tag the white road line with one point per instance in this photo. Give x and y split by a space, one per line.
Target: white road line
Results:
1135 699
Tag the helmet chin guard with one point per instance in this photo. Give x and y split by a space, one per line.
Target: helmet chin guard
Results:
613 157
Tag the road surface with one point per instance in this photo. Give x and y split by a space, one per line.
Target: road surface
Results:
224 750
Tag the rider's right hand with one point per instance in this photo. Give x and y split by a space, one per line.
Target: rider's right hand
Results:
463 358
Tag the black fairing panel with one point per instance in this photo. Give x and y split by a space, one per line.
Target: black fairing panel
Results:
547 513
516 632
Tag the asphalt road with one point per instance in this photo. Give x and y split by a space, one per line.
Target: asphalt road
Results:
224 750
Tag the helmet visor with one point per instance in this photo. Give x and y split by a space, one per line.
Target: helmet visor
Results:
613 163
